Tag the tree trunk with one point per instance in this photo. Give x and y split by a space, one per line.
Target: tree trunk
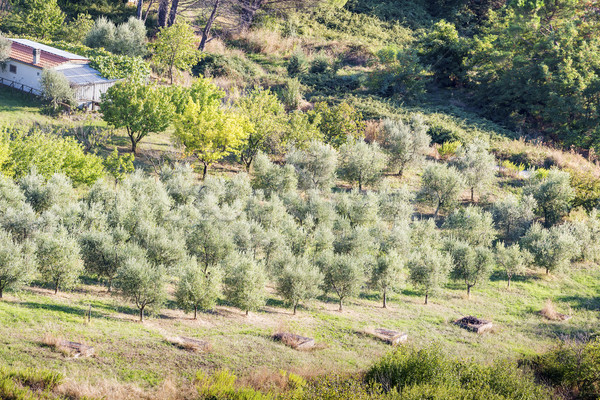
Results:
208 26
141 314
247 311
508 284
341 306
472 195
426 298
384 298
133 144
173 12
437 210
295 304
1 291
469 291
360 185
56 286
110 285
195 312
547 271
140 5
204 171
163 10
401 171
248 11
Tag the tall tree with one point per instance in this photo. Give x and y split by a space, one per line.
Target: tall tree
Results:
298 281
361 163
470 264
441 186
343 275
244 283
553 192
428 270
386 274
16 263
405 144
58 257
477 165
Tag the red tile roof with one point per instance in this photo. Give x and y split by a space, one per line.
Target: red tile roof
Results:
24 54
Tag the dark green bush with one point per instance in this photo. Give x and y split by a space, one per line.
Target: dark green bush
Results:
297 64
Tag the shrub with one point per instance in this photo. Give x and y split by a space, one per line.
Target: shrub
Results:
319 64
291 94
121 67
297 64
361 163
441 186
339 123
57 89
315 166
449 149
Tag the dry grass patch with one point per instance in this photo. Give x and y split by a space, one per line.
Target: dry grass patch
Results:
549 312
190 344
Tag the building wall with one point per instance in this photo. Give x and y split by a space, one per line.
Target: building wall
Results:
25 74
91 92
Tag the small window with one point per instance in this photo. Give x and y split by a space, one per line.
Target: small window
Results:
12 69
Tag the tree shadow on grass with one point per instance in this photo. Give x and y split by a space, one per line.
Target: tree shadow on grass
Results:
500 276
78 311
563 331
581 302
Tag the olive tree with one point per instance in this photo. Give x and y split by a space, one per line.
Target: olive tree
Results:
56 88
511 259
428 270
405 144
361 163
195 289
16 263
553 193
386 274
299 281
552 249
477 165
142 283
472 225
58 259
315 165
514 215
244 283
21 222
271 178
343 274
470 264
441 186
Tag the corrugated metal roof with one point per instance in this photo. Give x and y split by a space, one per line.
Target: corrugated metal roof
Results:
49 49
80 75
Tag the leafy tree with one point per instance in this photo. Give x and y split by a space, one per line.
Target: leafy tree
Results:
553 193
343 274
470 264
298 281
552 249
244 284
139 108
175 48
471 225
16 263
428 270
361 163
477 165
119 166
40 18
20 221
142 283
512 259
77 29
208 131
387 273
405 144
273 179
42 194
514 215
197 290
58 259
211 243
56 88
130 38
395 205
180 183
315 166
444 50
441 186
267 119
339 123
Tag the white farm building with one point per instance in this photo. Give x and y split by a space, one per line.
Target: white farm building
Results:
28 59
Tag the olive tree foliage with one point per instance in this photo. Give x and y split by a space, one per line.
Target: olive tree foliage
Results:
441 186
209 241
315 165
477 165
406 144
142 283
586 230
553 193
394 205
5 47
469 264
129 38
511 259
361 163
56 88
472 225
20 221
514 215
299 281
244 283
180 183
387 274
58 258
552 249
428 270
17 263
42 194
271 178
343 275
197 290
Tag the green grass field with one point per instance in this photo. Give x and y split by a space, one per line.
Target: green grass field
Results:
130 353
